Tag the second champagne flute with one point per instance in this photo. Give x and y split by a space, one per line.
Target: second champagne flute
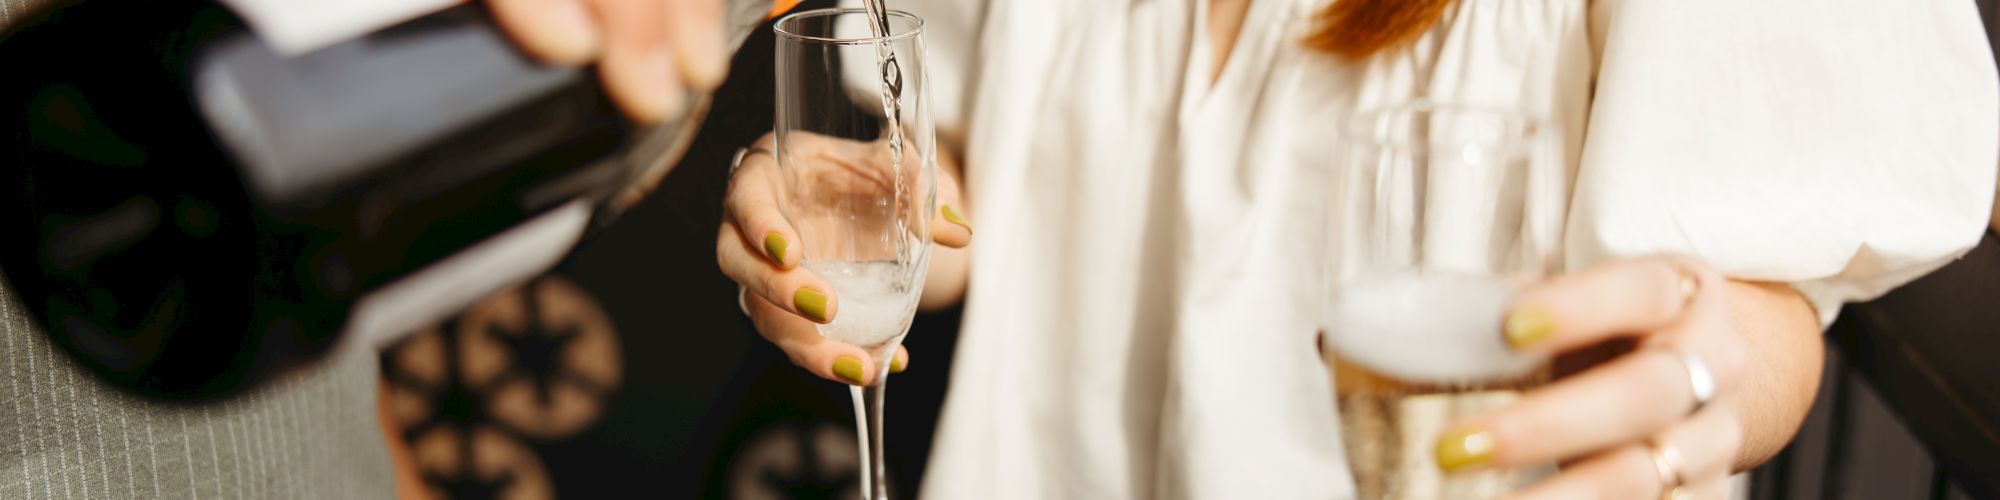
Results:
1442 213
857 167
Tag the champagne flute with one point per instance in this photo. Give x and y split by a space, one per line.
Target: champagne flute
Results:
1442 213
857 169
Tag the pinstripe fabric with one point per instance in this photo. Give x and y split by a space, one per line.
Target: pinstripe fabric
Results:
63 435
10 9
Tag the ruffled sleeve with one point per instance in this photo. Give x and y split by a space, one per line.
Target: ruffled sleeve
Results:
1844 147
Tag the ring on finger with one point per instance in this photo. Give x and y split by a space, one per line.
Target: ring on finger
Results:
1667 462
745 152
1701 381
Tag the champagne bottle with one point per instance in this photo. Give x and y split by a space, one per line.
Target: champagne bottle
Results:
189 208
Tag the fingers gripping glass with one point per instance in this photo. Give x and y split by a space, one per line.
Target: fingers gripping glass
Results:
1441 214
857 162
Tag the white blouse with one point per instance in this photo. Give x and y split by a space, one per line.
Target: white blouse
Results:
1141 316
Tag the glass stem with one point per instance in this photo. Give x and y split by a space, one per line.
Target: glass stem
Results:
868 428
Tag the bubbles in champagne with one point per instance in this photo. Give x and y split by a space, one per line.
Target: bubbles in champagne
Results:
875 302
1432 328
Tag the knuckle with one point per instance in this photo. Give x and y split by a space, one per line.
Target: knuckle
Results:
755 224
1731 433
1729 452
1653 412
733 189
1633 473
1666 286
1670 393
775 284
1731 361
760 319
722 254
1717 494
794 354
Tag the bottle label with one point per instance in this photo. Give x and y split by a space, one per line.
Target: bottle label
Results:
295 27
430 296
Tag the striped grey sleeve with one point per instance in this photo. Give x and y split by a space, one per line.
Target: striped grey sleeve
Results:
64 434
11 9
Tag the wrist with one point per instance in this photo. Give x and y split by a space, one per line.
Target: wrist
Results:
1783 334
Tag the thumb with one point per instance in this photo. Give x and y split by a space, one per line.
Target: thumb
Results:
951 226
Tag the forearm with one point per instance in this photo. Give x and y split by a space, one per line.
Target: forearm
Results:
1787 353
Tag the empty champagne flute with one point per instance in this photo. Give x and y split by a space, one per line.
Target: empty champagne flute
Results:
1440 214
857 171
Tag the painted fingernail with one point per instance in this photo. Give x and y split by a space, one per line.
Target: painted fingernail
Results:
774 245
951 215
1528 326
1466 448
811 303
848 369
897 364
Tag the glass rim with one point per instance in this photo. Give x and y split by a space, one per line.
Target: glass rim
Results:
779 27
1360 126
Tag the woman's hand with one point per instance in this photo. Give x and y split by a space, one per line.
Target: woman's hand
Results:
759 250
651 51
1637 426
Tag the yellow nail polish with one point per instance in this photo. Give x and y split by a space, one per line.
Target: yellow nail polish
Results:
848 369
951 215
774 245
1465 449
811 303
1528 326
897 364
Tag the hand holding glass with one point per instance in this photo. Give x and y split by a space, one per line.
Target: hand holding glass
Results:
856 181
1441 213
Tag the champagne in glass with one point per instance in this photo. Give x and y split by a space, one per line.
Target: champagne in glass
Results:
1442 213
875 303
857 169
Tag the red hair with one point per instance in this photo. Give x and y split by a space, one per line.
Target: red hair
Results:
1359 28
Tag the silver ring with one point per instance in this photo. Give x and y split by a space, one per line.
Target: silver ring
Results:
1701 381
743 299
1667 462
745 152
